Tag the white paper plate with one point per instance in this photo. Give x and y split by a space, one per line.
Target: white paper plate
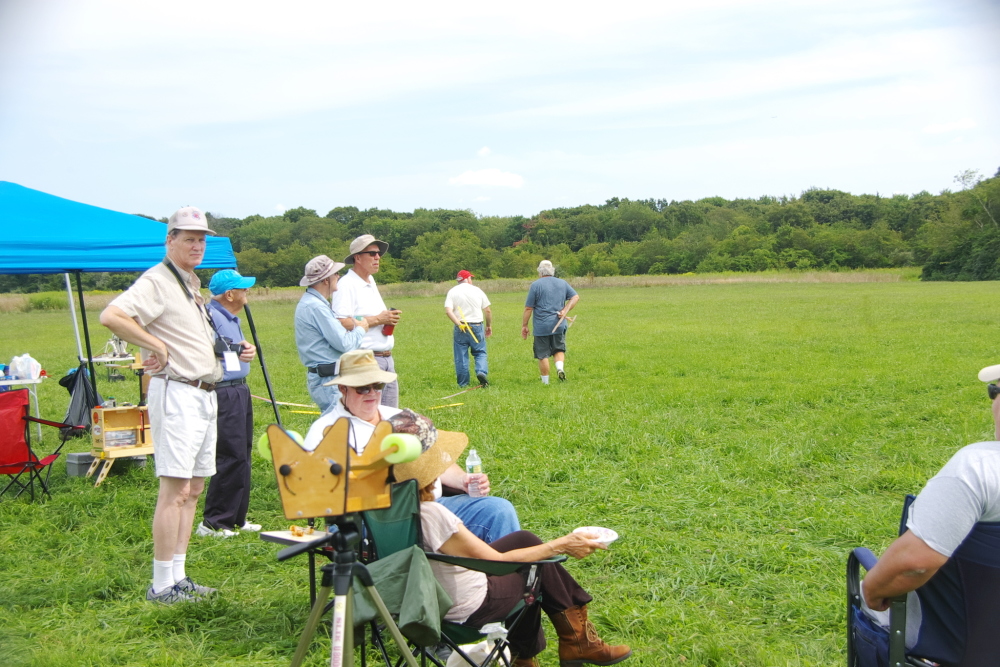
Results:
604 535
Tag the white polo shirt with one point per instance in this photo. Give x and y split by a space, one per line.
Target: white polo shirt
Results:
470 299
355 297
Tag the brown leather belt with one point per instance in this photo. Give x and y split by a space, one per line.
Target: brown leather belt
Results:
200 384
382 354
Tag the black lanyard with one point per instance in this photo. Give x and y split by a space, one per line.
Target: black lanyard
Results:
187 293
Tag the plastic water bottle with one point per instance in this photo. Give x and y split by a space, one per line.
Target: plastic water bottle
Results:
474 466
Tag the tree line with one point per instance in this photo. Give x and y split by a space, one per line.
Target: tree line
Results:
954 235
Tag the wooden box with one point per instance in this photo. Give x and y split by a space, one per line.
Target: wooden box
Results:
122 431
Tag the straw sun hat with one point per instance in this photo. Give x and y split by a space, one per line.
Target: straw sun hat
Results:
440 448
358 368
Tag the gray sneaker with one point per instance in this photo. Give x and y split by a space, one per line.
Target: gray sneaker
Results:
186 585
562 375
169 595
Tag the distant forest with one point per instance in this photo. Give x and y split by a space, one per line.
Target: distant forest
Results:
954 235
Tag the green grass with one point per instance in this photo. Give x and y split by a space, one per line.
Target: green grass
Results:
740 437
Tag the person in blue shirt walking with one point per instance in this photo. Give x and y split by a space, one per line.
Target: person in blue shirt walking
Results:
319 336
228 496
549 301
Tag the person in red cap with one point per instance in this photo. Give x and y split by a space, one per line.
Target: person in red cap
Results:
469 309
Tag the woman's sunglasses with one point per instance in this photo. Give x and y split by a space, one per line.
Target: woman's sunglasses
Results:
364 391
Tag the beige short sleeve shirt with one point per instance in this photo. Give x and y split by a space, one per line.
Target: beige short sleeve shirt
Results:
158 303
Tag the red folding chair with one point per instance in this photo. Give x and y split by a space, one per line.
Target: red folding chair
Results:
16 456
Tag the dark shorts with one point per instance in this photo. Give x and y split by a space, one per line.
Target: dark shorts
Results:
546 346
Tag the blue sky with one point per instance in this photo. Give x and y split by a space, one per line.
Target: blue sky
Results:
502 108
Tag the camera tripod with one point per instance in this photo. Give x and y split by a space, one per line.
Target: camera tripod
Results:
338 577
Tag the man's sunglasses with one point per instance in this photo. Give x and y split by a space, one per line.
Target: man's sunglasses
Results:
364 391
371 253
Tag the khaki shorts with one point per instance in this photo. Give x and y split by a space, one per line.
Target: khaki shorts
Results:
182 419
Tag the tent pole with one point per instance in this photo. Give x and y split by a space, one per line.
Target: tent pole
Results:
86 334
263 366
76 325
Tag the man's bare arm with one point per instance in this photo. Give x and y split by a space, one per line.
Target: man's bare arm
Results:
905 566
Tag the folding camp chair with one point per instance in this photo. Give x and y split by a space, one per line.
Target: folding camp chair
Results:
16 456
955 616
398 527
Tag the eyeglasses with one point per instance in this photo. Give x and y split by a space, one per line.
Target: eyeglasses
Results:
364 391
371 253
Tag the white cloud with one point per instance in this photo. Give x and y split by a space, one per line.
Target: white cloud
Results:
954 126
491 177
484 151
280 208
482 198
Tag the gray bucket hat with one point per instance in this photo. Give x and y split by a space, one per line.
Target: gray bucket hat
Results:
319 268
362 242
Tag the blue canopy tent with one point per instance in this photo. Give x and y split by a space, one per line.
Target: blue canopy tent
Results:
43 233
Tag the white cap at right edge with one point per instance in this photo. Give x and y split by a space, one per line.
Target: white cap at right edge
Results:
990 373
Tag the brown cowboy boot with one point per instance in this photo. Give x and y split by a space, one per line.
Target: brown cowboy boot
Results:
526 662
579 643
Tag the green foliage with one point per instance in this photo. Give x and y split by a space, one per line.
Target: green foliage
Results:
953 236
47 301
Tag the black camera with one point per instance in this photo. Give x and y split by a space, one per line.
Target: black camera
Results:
992 390
224 344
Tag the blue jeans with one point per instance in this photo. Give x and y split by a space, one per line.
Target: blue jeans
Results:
463 343
489 518
325 397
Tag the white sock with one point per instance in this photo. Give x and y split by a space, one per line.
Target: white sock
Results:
178 566
545 379
163 575
559 365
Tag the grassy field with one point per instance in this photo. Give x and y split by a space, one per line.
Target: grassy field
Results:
741 438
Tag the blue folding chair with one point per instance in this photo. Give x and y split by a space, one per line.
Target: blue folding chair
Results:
958 608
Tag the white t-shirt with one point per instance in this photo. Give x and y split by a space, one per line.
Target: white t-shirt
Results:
964 493
358 435
356 297
467 588
470 299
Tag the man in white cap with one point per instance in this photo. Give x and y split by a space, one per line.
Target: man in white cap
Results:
358 299
320 338
163 312
549 301
468 308
228 497
361 382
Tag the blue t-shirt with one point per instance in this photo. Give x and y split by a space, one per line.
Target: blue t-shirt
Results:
547 296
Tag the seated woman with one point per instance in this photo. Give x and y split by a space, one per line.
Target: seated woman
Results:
480 598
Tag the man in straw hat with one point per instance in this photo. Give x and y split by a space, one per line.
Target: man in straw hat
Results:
358 298
319 336
163 313
480 598
549 301
361 382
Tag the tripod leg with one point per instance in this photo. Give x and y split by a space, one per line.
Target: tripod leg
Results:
391 626
310 629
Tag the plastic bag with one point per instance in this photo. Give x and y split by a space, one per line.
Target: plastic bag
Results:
24 367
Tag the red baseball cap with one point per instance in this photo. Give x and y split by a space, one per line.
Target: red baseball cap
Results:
463 274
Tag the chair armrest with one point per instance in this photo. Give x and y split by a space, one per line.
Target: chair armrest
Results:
494 567
865 557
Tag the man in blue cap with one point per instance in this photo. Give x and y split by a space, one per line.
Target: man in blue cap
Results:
228 494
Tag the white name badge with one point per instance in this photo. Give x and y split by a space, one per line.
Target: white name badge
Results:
231 360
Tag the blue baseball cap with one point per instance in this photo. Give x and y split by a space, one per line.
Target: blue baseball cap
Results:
228 279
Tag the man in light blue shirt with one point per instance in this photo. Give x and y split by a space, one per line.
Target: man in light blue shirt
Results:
228 497
319 336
